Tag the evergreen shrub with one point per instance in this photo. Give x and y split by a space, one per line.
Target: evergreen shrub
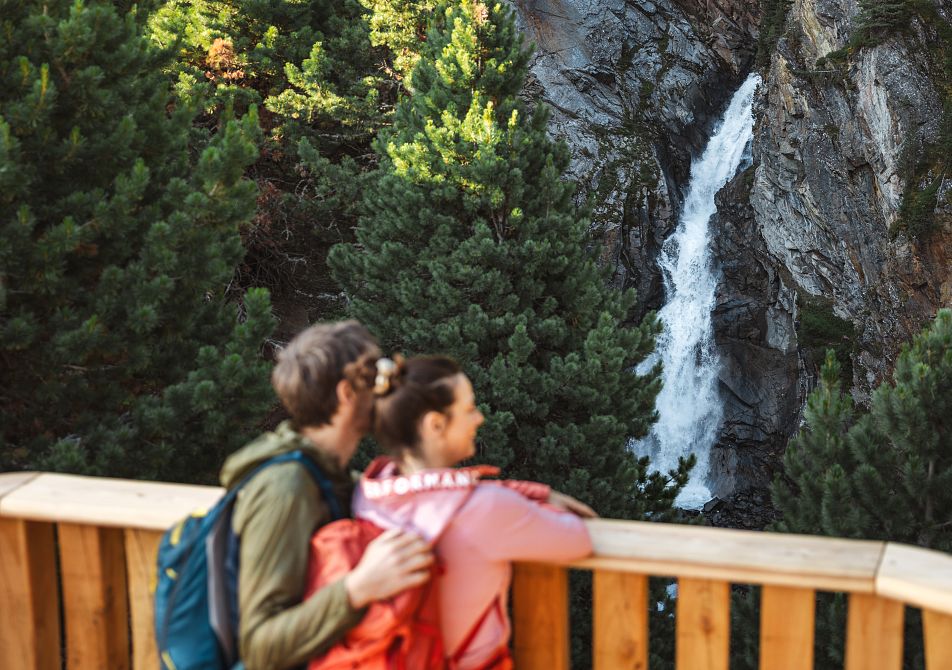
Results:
119 353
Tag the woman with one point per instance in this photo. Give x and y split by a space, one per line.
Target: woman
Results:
425 419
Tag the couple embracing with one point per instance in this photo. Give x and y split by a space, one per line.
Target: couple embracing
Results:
438 522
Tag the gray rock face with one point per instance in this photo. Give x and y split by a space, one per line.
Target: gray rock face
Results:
730 27
829 181
634 88
755 335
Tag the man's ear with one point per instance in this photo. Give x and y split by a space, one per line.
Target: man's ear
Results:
345 393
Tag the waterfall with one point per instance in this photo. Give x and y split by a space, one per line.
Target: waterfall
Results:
688 405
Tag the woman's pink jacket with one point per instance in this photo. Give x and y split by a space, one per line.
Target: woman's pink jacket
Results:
479 528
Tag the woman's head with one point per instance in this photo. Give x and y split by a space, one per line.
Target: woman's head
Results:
426 408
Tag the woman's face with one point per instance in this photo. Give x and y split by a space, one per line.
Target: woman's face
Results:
463 419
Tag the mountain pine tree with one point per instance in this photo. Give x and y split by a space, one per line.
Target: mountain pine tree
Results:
845 466
312 68
471 246
882 475
118 351
401 26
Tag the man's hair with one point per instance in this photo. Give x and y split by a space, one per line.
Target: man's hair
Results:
315 361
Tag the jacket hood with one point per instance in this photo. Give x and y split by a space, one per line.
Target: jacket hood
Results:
281 441
424 502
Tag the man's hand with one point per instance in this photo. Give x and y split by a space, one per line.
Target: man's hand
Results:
570 504
393 562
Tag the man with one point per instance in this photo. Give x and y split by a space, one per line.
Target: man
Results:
324 379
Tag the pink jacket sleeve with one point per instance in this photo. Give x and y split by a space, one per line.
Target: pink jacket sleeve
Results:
531 490
518 529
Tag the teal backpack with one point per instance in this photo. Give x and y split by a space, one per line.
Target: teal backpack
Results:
196 595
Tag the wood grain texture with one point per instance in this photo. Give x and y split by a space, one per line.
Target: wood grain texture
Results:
702 641
100 501
737 556
11 481
141 549
620 602
937 630
29 602
874 631
95 600
540 617
787 628
916 576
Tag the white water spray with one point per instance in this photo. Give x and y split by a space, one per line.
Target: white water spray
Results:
689 409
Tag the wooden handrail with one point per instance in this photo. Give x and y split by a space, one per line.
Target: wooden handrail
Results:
101 501
748 557
103 533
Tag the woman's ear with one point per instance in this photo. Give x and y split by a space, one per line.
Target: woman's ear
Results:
432 424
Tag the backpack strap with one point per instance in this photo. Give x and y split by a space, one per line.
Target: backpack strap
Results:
317 474
323 483
494 606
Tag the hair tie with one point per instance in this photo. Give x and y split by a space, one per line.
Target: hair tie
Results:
385 369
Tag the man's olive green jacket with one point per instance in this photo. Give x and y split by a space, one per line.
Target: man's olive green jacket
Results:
276 514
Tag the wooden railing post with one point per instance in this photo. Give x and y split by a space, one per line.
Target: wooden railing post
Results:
874 631
95 600
540 613
937 631
702 641
29 604
141 549
620 602
786 628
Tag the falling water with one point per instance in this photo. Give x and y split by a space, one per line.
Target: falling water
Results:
688 406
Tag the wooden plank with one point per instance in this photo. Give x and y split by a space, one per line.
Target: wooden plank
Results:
620 601
916 576
702 640
29 601
540 617
937 630
786 628
99 501
141 549
874 631
95 602
11 481
738 556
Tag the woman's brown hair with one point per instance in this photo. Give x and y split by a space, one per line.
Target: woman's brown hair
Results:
418 385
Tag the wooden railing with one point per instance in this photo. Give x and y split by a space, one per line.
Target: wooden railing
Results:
80 551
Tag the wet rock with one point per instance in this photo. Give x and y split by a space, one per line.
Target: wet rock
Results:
747 510
760 376
712 505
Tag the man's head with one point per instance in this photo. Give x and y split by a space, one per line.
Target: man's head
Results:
324 376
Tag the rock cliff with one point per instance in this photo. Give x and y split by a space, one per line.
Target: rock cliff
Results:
761 382
840 130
